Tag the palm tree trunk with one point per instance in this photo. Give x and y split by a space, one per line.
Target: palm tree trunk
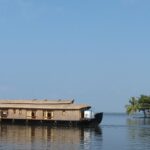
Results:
145 115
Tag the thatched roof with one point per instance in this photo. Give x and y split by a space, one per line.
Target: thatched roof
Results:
36 101
39 104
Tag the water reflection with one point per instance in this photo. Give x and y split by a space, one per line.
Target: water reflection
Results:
44 137
139 132
138 121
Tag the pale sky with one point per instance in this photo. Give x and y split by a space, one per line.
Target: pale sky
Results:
94 51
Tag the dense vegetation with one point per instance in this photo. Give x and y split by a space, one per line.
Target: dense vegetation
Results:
141 103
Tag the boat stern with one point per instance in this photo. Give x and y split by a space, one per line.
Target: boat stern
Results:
99 117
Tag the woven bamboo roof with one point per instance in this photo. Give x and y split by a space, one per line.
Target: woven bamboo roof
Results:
39 104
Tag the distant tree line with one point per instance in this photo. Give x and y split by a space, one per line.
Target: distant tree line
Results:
141 103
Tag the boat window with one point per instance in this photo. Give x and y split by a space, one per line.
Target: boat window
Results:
4 113
82 114
49 115
33 114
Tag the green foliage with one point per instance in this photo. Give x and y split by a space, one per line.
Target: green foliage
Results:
138 104
144 99
133 106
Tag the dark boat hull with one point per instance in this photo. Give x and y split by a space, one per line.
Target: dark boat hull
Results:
85 122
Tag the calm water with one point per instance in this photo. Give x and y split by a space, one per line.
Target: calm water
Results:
116 132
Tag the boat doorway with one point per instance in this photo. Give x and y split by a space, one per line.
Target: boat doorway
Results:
33 114
49 115
82 114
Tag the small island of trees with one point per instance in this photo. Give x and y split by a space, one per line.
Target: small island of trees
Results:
141 103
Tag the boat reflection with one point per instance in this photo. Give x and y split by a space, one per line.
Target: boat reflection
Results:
36 137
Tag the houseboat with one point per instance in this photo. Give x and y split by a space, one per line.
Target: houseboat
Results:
49 112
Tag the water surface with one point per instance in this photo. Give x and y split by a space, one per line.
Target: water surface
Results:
117 131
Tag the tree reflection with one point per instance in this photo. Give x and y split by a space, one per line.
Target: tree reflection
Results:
138 121
139 132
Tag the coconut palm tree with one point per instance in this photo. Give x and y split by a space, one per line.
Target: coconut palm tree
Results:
144 103
133 107
139 104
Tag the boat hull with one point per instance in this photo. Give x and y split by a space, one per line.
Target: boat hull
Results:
84 122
